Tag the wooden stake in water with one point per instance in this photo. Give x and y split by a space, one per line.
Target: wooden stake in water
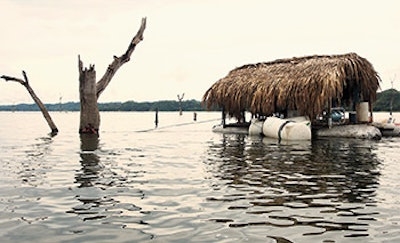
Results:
156 120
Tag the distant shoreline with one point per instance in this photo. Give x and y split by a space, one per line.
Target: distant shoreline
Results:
165 105
384 100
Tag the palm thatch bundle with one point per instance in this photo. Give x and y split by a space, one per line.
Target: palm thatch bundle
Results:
306 84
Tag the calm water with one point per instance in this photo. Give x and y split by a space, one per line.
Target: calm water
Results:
182 182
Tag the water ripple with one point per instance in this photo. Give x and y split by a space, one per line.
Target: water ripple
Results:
188 184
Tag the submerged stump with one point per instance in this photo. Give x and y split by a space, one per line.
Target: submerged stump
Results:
90 117
90 90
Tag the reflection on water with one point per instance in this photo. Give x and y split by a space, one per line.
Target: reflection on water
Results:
96 180
328 185
33 169
90 161
185 183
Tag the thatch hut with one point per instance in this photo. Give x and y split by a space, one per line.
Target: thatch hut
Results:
308 85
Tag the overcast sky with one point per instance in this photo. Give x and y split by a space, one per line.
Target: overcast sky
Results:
188 45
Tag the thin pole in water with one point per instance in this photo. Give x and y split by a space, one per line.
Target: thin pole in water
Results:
156 120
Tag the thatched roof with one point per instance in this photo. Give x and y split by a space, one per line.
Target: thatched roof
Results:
304 84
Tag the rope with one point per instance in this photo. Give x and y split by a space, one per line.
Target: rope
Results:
280 129
177 125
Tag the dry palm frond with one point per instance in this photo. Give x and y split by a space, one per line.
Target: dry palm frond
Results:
304 84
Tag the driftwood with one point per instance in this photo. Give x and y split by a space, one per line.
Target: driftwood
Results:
42 107
90 91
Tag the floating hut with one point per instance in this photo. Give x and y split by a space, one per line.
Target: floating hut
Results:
308 86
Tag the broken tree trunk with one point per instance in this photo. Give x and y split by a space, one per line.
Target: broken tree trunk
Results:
42 107
90 117
90 91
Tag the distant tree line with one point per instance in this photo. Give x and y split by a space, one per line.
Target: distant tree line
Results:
164 105
383 103
387 98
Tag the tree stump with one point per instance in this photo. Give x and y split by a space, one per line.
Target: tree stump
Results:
90 116
89 90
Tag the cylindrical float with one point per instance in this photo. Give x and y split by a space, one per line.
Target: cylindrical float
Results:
255 128
298 119
286 130
362 112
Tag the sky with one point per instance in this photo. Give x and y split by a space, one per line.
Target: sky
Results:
188 44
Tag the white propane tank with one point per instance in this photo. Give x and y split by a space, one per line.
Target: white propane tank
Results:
286 130
255 128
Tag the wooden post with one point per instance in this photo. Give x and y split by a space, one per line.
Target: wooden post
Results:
223 117
156 119
25 82
330 113
371 114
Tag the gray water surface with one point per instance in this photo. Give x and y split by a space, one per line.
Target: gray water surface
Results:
183 183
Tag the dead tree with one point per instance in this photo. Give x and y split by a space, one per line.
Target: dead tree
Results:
89 90
42 107
180 98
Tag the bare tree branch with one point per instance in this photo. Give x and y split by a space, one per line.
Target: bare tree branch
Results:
9 78
42 107
119 61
